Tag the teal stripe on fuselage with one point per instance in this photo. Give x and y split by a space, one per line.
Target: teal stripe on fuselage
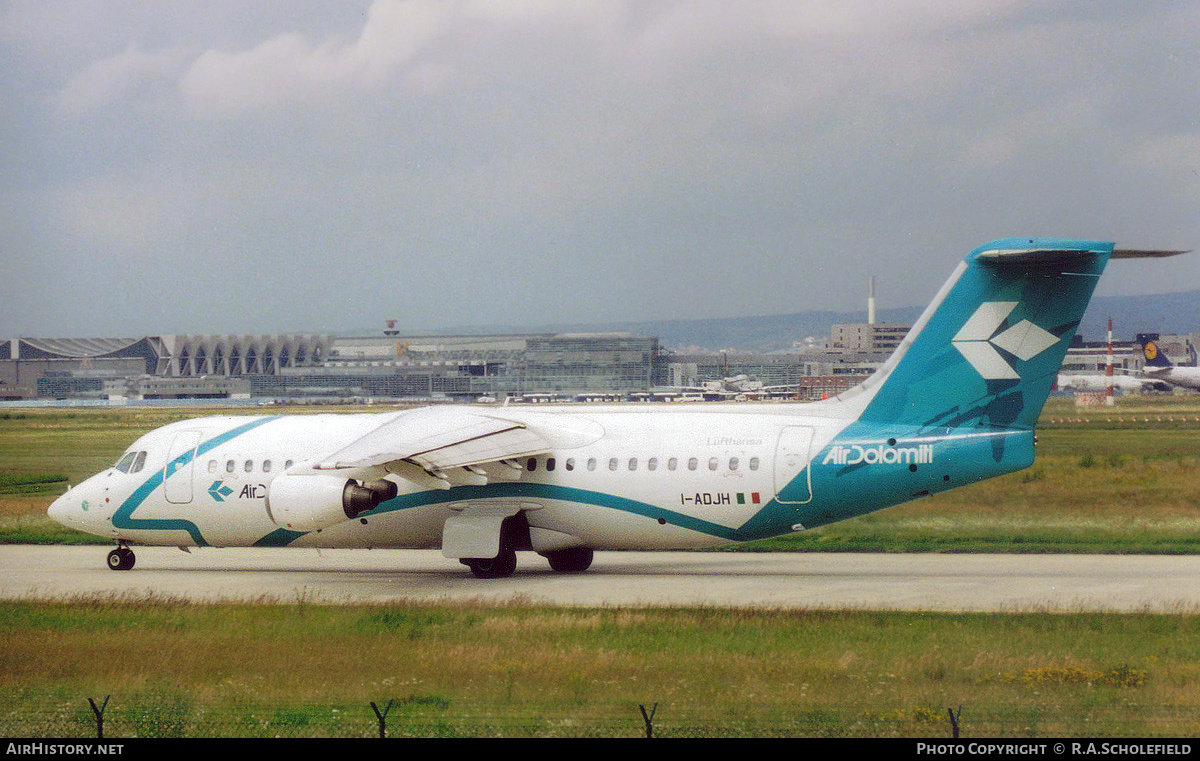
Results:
279 538
528 490
123 517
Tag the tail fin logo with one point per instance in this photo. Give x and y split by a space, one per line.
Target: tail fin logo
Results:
980 337
1150 350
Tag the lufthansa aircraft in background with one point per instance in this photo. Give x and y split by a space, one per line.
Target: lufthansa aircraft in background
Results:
1158 367
955 404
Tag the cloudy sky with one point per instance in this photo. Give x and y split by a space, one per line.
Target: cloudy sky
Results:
247 166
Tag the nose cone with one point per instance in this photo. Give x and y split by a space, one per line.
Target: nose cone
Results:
62 508
77 508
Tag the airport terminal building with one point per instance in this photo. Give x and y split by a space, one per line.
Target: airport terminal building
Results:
385 366
288 366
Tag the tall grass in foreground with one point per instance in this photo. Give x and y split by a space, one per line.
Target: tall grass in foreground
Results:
178 669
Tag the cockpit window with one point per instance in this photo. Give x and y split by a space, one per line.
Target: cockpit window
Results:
131 462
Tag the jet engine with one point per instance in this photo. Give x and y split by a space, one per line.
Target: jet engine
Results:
311 503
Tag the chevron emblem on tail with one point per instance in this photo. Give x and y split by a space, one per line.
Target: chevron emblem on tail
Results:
980 337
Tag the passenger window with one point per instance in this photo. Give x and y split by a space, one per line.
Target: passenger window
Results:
249 466
612 463
570 464
672 463
550 463
652 463
633 463
266 466
532 464
288 464
212 466
753 463
733 463
591 463
712 463
692 463
229 466
138 463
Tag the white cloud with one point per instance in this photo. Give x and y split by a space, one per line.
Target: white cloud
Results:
290 68
119 76
281 69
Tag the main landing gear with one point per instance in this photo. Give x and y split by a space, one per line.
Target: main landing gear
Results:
121 559
571 560
514 535
500 567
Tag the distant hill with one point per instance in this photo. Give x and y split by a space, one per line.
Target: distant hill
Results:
1160 313
766 333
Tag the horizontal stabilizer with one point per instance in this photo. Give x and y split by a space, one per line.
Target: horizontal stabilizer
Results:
1134 253
1038 255
1050 255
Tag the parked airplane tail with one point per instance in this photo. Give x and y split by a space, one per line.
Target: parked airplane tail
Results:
1153 355
987 350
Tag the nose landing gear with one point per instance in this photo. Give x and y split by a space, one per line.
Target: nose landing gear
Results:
121 559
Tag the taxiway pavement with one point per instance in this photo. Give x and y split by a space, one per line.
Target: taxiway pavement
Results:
932 582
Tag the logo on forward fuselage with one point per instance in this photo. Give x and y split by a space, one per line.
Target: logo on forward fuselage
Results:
219 491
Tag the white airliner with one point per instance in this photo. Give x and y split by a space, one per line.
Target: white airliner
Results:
736 387
955 404
1098 382
1159 368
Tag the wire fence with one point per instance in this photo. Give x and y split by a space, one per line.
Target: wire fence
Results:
110 717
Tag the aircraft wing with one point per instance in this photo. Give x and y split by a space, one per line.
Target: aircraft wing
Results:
442 447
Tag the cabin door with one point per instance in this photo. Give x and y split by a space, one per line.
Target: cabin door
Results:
793 477
181 459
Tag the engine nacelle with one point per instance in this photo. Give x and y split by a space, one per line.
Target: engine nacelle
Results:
311 503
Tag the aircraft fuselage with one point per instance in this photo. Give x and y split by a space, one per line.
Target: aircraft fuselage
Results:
616 478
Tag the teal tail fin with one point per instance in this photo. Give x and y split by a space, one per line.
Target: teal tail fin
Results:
957 401
986 352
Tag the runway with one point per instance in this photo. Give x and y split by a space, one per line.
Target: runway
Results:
913 582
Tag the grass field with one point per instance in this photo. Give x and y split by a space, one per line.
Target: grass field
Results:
1121 479
176 669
